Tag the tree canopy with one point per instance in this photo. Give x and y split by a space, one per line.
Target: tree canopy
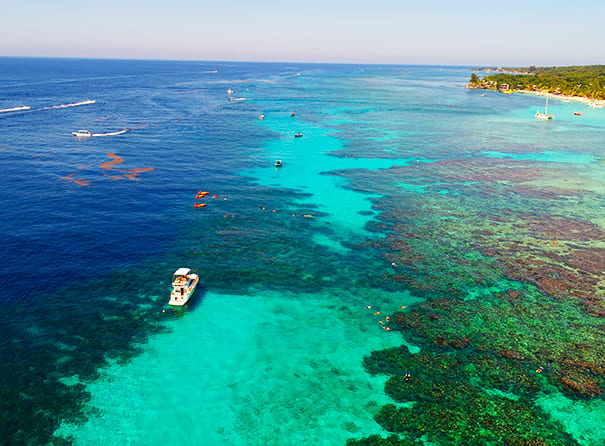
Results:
585 81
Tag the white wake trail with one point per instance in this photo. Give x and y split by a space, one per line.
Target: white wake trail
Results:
14 109
119 132
75 104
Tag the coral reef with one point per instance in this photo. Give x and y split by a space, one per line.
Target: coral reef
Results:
515 296
454 400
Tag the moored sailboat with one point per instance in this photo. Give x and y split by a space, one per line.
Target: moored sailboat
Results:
544 115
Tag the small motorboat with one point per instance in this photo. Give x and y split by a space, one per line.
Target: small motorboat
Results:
278 163
261 117
298 135
292 114
82 134
183 286
230 91
577 113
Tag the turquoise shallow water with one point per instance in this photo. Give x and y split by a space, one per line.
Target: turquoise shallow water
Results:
297 264
307 163
262 369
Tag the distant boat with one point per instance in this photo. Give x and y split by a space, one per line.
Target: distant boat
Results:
577 113
545 116
298 135
82 134
261 117
278 163
292 114
183 286
230 91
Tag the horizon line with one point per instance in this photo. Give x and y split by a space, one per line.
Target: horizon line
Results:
285 62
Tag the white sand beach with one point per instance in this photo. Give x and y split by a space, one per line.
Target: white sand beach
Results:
597 103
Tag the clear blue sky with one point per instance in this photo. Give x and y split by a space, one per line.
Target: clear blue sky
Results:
450 32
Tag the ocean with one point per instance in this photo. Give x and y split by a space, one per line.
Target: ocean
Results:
427 264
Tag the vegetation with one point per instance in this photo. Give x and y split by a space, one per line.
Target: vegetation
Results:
583 81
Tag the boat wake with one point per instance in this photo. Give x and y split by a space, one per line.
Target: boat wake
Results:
27 107
75 104
119 132
14 109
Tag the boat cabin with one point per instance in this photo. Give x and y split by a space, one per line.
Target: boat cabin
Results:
179 278
82 134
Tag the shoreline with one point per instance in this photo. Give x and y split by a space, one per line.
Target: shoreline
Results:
594 103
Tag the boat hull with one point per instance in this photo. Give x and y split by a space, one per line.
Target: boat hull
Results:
543 116
178 298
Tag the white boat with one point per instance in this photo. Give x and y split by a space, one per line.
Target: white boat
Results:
183 286
82 134
230 91
544 115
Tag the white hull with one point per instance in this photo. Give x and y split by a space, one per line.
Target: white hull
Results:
82 134
181 292
544 116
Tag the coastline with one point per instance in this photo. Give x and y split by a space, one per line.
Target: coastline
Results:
595 103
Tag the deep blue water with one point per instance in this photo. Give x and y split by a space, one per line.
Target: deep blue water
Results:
62 231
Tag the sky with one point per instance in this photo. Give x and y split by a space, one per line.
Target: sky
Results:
436 32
